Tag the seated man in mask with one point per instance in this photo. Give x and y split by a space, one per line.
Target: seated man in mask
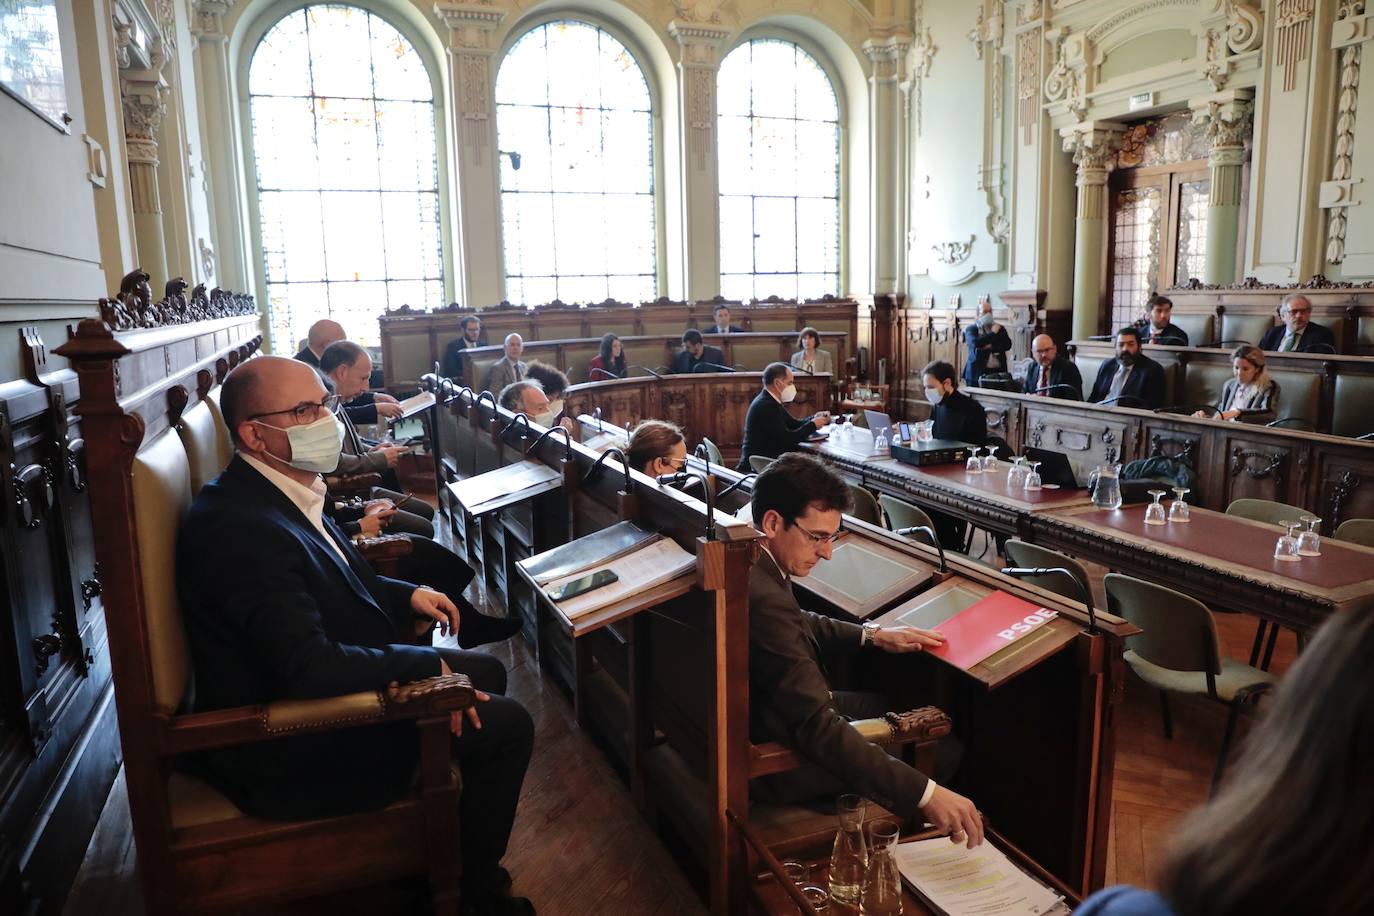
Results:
528 397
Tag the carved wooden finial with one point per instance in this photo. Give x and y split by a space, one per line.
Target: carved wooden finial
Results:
923 723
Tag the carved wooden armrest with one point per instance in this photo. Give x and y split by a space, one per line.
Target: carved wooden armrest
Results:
384 547
348 484
917 726
426 698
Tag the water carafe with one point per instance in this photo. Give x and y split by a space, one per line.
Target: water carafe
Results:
882 894
1105 482
849 859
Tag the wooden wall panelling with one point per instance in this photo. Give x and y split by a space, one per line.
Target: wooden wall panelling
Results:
1246 309
1260 468
1343 487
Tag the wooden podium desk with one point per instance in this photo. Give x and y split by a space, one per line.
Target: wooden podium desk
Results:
1222 560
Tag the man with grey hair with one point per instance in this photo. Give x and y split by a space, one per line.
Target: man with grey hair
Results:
508 368
1298 334
528 397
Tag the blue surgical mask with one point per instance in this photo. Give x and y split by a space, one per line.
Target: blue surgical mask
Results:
934 396
985 320
315 446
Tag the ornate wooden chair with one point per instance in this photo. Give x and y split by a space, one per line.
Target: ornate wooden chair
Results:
196 850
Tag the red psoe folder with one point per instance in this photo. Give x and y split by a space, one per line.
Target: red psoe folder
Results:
992 624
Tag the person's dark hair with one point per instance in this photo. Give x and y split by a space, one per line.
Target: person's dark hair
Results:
512 397
792 483
340 353
941 371
774 372
616 365
550 378
1157 299
692 336
1130 330
719 306
1290 830
467 320
652 439
805 333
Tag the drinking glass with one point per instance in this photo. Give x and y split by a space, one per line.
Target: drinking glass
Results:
817 897
990 460
1178 509
1309 541
923 430
1286 548
974 465
1033 481
1016 474
1154 514
799 873
849 858
882 895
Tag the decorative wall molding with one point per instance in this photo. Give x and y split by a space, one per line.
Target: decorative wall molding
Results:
699 49
1316 282
919 58
1094 146
1349 33
1067 79
699 10
952 253
1027 84
1292 38
470 32
1118 19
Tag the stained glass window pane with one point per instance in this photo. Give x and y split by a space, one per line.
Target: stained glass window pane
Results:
347 174
1135 252
779 166
1192 231
577 215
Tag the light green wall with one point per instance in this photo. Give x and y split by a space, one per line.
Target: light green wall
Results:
1148 51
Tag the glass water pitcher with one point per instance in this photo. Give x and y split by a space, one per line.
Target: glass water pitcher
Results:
1105 482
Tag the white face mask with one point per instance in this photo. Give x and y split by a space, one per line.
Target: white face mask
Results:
935 395
546 418
789 394
315 446
556 408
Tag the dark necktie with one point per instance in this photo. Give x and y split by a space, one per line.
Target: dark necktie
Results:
1044 381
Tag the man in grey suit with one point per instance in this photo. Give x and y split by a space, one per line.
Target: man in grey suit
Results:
508 369
797 504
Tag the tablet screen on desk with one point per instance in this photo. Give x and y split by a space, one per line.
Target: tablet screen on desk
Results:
861 574
929 613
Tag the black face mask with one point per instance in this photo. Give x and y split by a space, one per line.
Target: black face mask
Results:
1126 358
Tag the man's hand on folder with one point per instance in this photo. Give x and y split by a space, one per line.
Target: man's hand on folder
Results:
956 815
907 639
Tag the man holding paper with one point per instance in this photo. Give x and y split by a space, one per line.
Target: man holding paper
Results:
797 504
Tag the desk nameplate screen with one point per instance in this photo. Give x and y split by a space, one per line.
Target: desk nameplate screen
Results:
863 575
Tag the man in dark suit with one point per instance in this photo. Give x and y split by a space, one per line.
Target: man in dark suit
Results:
279 605
988 344
1298 334
469 338
1131 379
957 416
797 504
368 406
1157 328
723 325
769 430
696 353
1050 376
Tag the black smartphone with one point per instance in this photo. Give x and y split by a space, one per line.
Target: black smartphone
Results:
905 429
583 584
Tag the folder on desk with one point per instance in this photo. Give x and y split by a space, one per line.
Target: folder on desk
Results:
988 626
585 553
504 486
413 405
639 570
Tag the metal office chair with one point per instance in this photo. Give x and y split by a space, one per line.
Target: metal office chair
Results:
903 515
712 451
1356 531
1178 652
759 463
1270 512
865 506
1020 553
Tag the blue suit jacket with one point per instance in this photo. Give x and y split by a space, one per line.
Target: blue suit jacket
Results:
1315 338
980 346
273 613
1144 388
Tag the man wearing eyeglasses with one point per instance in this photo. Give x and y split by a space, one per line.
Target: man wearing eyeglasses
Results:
1298 333
797 503
279 605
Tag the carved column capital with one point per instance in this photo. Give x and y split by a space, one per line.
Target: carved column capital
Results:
888 56
699 44
1094 145
208 24
699 48
470 25
143 98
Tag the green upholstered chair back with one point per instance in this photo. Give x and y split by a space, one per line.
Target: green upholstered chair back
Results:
758 463
1239 326
712 451
865 507
1357 531
901 514
1178 631
1197 327
1265 510
1020 553
1350 414
1299 395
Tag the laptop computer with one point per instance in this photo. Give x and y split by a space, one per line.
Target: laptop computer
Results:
1054 467
876 419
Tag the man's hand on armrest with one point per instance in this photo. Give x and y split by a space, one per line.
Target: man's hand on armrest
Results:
956 815
455 718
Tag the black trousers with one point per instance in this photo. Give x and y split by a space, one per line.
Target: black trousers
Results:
493 760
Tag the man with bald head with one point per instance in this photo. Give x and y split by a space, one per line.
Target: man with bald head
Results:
509 368
1050 375
1298 333
367 407
279 605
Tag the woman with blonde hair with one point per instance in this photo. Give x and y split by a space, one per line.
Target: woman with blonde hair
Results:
1250 394
657 448
811 358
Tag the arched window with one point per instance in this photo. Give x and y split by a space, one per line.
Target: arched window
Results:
779 155
575 128
344 148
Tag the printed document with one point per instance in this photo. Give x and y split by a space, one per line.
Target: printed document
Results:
971 882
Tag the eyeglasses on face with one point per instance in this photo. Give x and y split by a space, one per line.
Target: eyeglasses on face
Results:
817 537
306 411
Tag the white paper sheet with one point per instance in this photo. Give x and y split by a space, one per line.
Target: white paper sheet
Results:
971 882
641 569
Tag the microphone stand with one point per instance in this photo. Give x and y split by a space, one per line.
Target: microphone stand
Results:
1122 397
718 366
605 372
646 369
934 539
1024 572
1057 386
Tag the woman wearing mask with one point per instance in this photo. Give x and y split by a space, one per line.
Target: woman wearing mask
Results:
610 362
811 358
1250 395
657 448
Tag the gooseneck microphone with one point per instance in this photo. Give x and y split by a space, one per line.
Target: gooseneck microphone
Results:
606 372
713 366
646 369
1023 572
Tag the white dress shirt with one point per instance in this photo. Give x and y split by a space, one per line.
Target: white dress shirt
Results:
310 500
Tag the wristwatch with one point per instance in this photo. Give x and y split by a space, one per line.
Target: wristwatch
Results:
870 633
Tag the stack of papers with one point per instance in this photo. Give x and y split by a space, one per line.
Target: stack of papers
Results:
416 403
591 551
504 486
658 561
972 882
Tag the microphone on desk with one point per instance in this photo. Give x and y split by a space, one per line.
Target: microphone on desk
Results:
803 369
716 366
1023 572
605 372
1101 337
1281 421
1054 387
1168 338
1324 348
1230 343
1122 397
736 485
596 415
1186 408
705 456
646 369
934 539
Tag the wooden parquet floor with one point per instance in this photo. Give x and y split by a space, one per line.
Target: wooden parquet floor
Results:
580 847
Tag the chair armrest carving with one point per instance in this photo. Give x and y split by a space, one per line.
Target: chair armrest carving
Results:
350 484
383 547
422 699
917 726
